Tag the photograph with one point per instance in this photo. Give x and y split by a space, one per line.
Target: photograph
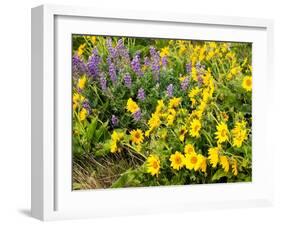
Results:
156 112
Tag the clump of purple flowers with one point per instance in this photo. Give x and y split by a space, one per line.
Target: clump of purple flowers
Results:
103 82
112 72
155 60
184 84
170 90
128 80
112 51
141 94
93 63
164 62
137 115
188 67
114 120
200 70
136 64
122 50
78 66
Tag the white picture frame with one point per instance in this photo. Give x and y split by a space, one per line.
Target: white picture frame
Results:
52 197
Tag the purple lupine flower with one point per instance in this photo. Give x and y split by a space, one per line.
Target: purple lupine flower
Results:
141 94
170 90
87 106
164 61
103 82
155 59
146 61
188 68
137 115
200 79
198 66
112 72
114 120
122 50
112 51
128 80
136 65
78 66
93 63
184 84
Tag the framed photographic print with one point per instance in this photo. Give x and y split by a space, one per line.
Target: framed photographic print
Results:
137 112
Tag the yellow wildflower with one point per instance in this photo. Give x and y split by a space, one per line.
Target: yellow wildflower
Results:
224 163
94 39
203 166
83 114
154 122
137 136
247 83
239 133
177 160
116 137
132 106
80 50
160 106
195 127
194 74
189 149
77 98
234 167
81 82
153 165
182 133
193 161
164 51
193 93
174 102
213 156
222 132
171 116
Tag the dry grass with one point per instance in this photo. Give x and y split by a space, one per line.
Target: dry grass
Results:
90 172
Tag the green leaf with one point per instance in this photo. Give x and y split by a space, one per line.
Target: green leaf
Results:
219 174
91 129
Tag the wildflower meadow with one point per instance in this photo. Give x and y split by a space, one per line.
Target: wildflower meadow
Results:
153 112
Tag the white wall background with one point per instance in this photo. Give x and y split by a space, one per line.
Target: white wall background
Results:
15 112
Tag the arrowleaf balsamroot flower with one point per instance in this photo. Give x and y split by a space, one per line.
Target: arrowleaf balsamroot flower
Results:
137 136
81 82
174 102
182 132
213 156
116 137
83 114
247 83
224 163
189 149
153 165
234 167
222 132
194 161
195 128
132 106
177 160
239 134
